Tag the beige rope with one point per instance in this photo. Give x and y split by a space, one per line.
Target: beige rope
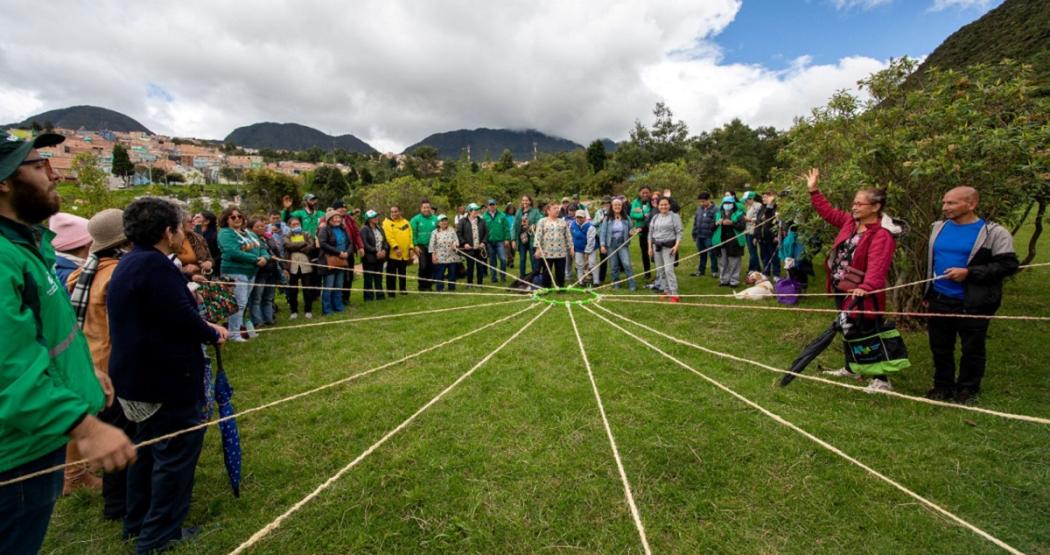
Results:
612 441
780 420
262 533
281 401
486 264
363 271
389 316
1007 415
836 311
405 293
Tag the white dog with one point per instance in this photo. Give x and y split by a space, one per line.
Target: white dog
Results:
761 287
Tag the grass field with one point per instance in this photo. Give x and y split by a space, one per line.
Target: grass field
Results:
515 459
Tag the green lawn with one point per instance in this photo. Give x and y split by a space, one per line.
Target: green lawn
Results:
516 459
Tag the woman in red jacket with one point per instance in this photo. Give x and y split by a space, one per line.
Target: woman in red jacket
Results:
859 261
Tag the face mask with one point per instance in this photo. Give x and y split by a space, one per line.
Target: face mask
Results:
297 230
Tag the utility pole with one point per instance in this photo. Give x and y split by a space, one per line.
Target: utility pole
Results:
535 151
468 153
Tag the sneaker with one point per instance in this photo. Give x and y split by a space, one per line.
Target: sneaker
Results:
939 394
840 373
237 339
965 396
675 299
696 274
878 385
252 334
293 316
663 297
308 315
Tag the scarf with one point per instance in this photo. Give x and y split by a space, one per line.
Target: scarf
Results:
82 290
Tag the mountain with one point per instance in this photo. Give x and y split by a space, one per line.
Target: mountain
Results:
91 118
292 136
1017 29
610 145
490 143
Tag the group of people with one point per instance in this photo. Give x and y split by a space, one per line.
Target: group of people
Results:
105 340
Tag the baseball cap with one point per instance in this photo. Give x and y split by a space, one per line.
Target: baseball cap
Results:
309 196
371 214
492 202
442 217
581 214
13 151
472 206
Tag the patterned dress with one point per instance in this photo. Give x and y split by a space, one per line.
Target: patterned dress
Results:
443 245
553 238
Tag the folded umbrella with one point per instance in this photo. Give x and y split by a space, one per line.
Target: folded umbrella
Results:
810 352
231 438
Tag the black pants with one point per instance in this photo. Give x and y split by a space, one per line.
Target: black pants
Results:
557 265
603 266
426 268
160 482
643 243
348 280
115 484
308 281
972 333
475 268
395 276
373 280
25 507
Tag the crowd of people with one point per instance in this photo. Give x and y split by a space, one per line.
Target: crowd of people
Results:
106 338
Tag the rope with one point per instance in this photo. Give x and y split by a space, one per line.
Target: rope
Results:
883 290
388 316
608 256
836 311
684 258
264 531
612 441
486 264
1007 415
780 420
322 288
272 404
363 271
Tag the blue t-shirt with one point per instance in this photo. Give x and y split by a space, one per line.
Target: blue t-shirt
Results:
952 250
341 240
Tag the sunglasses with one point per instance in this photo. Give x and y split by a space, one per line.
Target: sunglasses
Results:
235 216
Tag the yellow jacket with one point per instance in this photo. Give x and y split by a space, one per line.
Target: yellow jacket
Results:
399 233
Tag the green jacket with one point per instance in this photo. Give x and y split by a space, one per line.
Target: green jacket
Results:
533 217
737 215
238 260
309 221
639 210
498 226
47 378
422 227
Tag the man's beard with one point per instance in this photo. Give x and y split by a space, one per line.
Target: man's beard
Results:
31 204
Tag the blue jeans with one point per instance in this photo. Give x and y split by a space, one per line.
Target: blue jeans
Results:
445 273
705 243
753 262
25 507
497 252
160 482
621 261
242 289
332 299
525 252
261 301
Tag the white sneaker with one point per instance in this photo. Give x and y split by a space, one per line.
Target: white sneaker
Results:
840 373
293 316
309 315
237 339
878 385
252 334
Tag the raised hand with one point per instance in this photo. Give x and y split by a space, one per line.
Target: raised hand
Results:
812 177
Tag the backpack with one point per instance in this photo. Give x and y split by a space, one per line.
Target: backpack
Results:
787 290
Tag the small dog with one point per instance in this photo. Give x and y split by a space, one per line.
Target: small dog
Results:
761 287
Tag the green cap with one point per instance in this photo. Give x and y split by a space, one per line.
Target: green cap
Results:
472 206
371 214
13 151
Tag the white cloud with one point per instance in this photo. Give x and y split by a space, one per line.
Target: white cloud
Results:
392 72
859 4
940 5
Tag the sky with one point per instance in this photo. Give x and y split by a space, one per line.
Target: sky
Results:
392 72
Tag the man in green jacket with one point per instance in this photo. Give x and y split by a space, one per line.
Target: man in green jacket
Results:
309 215
423 224
49 390
497 241
521 233
640 207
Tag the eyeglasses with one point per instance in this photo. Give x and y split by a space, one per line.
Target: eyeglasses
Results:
235 216
863 203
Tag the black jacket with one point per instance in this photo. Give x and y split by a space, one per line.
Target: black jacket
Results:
766 228
156 331
371 247
327 244
466 236
992 260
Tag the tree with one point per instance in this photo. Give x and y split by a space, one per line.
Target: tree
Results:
265 189
980 127
92 181
329 185
666 141
406 192
596 155
122 166
506 160
425 161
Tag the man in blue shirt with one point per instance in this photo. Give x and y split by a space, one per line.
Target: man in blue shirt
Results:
974 256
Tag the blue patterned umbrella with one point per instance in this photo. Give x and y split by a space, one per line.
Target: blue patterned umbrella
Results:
231 438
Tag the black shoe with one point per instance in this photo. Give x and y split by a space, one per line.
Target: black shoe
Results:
939 394
965 396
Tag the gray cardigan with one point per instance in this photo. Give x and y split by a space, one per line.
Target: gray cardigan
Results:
665 228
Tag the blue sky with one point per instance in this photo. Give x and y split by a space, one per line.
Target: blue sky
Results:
772 33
